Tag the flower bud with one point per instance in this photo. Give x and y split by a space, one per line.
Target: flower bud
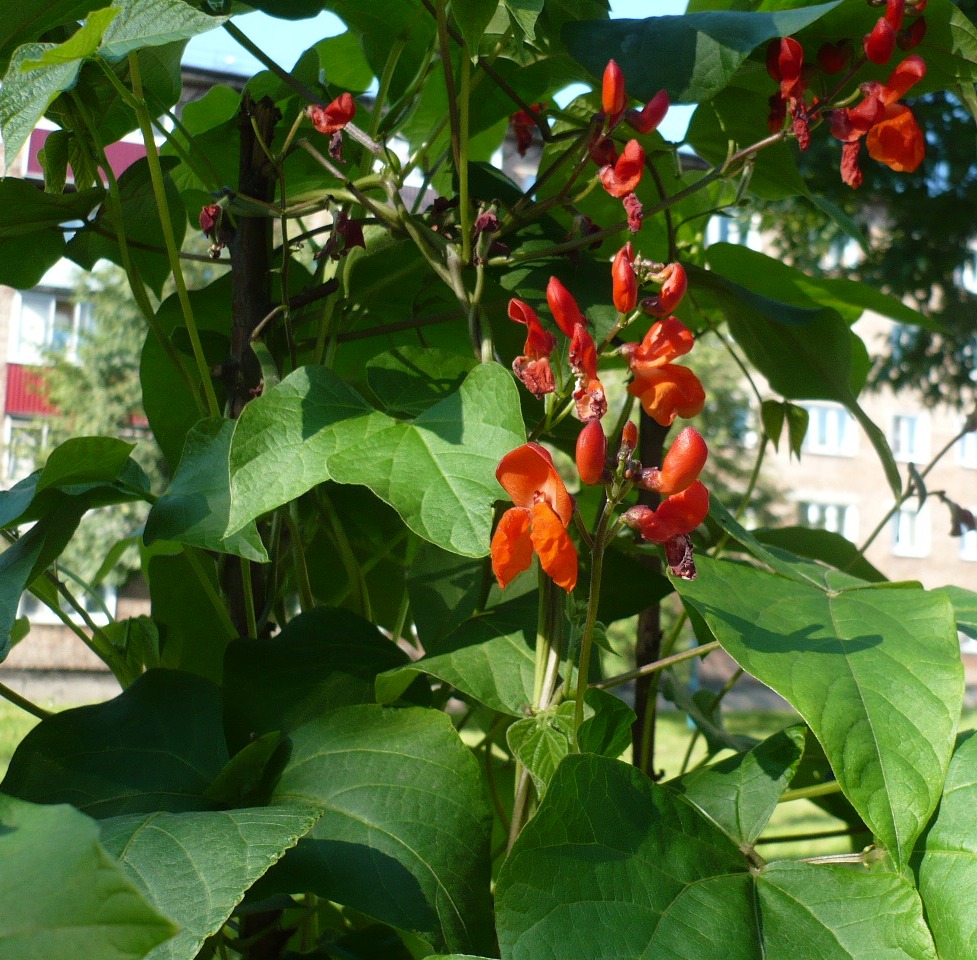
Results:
613 96
625 281
334 117
629 441
591 453
563 307
683 462
650 115
637 516
912 36
895 12
881 42
834 57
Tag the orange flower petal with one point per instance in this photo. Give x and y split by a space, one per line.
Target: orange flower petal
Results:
679 514
897 140
664 341
684 462
552 543
512 547
668 392
527 474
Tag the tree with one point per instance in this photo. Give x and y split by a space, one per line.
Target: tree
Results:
366 715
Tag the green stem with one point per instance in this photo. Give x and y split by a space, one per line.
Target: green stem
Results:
648 668
586 643
464 203
354 573
808 793
210 591
172 249
814 835
248 591
17 700
306 597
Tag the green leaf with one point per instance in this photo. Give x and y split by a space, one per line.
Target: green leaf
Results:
24 561
404 835
196 505
945 860
437 471
539 743
875 671
772 415
525 13
343 63
606 729
409 380
28 21
473 16
490 659
194 625
153 23
840 914
823 545
85 460
62 895
26 211
964 608
612 865
81 44
196 867
805 353
851 298
322 660
26 95
693 57
739 794
156 746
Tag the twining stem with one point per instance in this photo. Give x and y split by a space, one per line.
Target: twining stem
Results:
910 491
662 664
12 696
169 240
306 597
248 590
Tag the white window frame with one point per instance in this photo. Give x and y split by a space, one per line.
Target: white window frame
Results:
839 438
911 531
909 437
30 351
833 516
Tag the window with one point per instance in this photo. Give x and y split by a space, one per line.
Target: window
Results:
911 532
46 321
831 430
836 517
968 544
910 439
967 450
23 440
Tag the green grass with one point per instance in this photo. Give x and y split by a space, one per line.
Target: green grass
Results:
15 724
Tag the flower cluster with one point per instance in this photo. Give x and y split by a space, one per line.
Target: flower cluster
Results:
887 126
538 521
620 174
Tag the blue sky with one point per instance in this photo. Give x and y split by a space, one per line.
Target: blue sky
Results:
284 41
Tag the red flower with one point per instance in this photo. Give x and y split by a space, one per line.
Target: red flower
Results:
563 307
613 96
533 368
665 389
538 520
625 282
650 115
524 127
334 117
589 394
624 176
674 284
881 42
677 515
681 467
785 64
897 140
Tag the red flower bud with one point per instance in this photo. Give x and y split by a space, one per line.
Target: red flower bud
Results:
895 12
591 453
210 217
650 115
683 463
834 57
334 117
563 307
625 281
629 440
674 283
613 96
881 42
912 36
785 61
